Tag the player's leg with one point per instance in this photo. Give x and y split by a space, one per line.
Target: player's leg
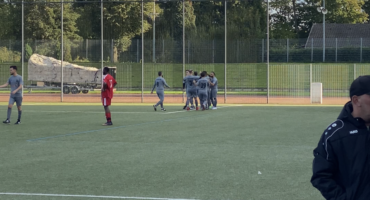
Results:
214 99
209 99
196 102
10 106
188 97
18 101
161 100
106 104
206 100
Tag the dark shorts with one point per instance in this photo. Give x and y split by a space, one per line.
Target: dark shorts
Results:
17 100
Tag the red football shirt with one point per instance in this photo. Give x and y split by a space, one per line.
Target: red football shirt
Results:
108 92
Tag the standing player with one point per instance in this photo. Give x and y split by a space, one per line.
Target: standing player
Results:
214 90
203 88
159 83
191 90
184 84
107 94
16 84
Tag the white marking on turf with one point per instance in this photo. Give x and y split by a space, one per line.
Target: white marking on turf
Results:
259 172
88 196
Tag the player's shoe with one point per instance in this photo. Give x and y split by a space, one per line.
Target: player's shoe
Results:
6 121
214 108
197 108
18 122
155 108
184 107
192 108
187 108
108 124
162 109
203 108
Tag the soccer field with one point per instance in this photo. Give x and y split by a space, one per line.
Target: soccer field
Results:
233 153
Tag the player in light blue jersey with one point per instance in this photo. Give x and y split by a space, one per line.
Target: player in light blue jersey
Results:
214 89
159 83
187 73
203 88
16 96
191 90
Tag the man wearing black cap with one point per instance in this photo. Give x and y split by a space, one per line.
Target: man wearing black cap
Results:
341 167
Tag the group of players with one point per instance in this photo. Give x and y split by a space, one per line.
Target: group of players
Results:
204 87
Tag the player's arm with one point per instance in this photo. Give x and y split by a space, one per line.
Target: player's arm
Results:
165 83
5 85
195 83
210 83
153 88
105 86
114 83
324 170
16 90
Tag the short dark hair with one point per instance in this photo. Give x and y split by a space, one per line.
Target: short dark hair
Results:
14 67
203 74
106 69
186 70
195 73
160 73
214 73
190 71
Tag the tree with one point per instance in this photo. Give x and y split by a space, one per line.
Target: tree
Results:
43 22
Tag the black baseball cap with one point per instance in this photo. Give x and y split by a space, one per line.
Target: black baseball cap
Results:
360 86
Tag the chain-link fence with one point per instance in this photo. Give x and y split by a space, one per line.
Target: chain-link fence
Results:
138 39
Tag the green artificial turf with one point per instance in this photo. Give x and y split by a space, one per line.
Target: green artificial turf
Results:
215 154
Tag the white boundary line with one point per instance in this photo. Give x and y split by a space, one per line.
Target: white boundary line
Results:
87 196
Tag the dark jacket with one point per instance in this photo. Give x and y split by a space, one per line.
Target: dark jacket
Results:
341 167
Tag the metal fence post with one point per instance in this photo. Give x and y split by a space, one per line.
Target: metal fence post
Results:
225 93
336 49
237 51
87 49
311 49
311 82
137 51
188 51
62 52
287 50
213 51
142 51
23 45
183 45
263 50
361 51
268 49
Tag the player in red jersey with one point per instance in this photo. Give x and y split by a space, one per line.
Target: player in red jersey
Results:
107 94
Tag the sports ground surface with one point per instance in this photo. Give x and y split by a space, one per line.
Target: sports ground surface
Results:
61 151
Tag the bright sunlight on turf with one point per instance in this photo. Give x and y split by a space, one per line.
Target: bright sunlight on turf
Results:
241 153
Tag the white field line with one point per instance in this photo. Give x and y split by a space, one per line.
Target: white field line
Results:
88 196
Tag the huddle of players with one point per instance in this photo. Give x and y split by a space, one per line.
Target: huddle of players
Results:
204 86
